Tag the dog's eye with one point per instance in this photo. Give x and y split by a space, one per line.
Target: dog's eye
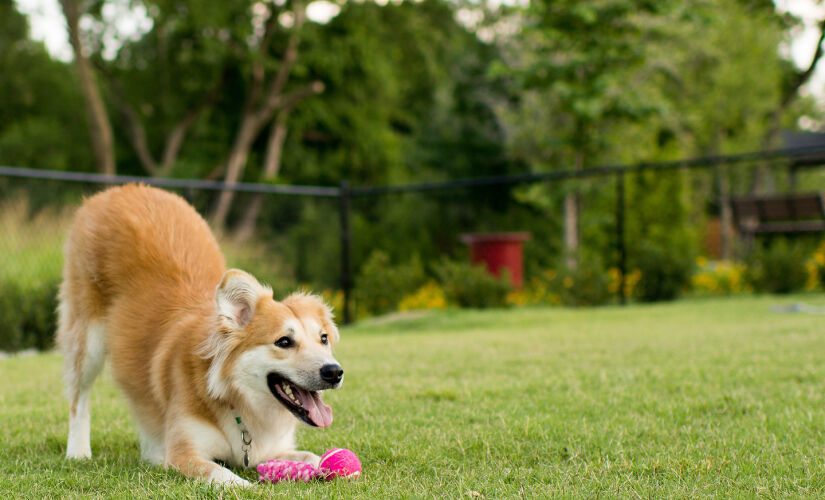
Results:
324 339
284 342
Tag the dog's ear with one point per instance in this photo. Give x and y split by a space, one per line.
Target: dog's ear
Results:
237 296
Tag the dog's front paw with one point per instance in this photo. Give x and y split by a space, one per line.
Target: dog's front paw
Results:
225 477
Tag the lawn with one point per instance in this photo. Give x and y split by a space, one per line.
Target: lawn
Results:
716 397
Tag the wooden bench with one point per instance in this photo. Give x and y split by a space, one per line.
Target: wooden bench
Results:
788 213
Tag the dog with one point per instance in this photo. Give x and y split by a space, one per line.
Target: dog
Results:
213 368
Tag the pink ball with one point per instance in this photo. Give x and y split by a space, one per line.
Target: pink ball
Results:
341 462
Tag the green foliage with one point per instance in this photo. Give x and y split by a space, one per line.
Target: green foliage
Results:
778 266
29 315
380 285
406 99
467 285
620 81
41 105
660 239
30 262
588 284
665 271
413 95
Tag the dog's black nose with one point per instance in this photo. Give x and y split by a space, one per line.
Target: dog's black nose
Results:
332 373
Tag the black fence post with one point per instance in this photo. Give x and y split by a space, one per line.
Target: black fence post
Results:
620 241
346 244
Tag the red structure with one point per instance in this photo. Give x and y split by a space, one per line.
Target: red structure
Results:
499 251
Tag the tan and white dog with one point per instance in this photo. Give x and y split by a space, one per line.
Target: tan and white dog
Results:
192 345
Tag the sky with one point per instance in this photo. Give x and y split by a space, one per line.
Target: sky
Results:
47 24
803 43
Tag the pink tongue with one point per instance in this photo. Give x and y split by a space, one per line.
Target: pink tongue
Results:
319 413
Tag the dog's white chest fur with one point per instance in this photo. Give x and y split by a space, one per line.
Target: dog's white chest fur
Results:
266 442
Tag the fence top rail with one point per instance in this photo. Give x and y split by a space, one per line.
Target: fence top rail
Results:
242 187
332 192
599 171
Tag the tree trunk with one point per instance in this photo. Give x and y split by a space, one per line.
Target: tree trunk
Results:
571 220
99 125
137 132
763 178
260 107
235 164
571 234
251 125
272 165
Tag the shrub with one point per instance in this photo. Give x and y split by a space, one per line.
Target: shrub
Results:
778 266
538 290
588 284
380 286
29 315
256 258
665 272
466 285
30 261
631 280
719 277
815 268
429 296
335 300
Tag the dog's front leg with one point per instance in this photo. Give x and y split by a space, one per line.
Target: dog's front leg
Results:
299 456
185 459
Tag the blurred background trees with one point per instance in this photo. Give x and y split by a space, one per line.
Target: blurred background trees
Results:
385 93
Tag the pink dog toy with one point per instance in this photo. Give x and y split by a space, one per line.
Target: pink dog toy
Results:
337 462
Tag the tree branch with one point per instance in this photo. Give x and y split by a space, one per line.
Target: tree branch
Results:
134 127
276 88
256 115
287 101
174 141
100 127
802 78
272 165
762 172
257 63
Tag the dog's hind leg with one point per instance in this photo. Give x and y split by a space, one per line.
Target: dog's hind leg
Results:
82 341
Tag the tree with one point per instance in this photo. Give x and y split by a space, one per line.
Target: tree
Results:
271 167
265 95
580 57
100 127
794 80
408 100
162 82
42 101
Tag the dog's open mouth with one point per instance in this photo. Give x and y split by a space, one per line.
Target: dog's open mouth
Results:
304 404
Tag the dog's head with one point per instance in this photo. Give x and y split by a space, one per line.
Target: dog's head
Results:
262 349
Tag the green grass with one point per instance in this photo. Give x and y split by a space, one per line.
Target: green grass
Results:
701 398
31 246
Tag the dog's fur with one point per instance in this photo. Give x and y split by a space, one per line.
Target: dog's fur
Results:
145 284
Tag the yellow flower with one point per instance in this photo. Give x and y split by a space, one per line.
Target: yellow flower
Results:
429 296
335 299
517 298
